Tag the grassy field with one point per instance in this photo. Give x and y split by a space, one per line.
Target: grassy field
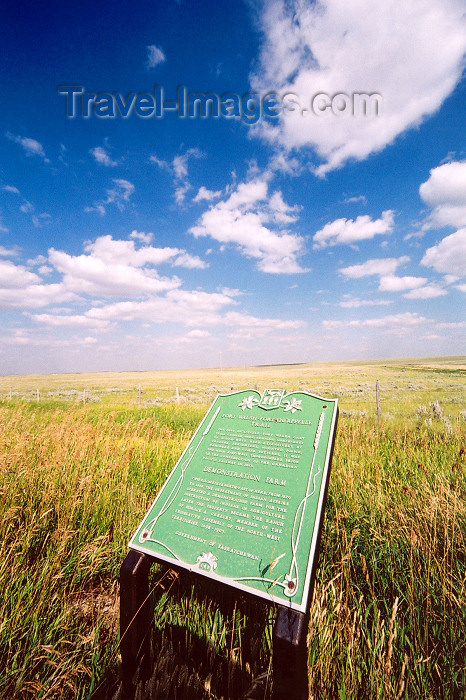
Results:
76 477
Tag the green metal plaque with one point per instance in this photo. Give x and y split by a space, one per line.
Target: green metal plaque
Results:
244 504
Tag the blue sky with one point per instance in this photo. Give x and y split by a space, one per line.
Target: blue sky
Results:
296 221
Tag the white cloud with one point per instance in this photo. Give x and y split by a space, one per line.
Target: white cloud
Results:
26 207
336 46
445 192
251 219
205 194
38 260
191 262
101 156
356 199
190 308
179 170
155 56
35 296
378 266
9 252
40 219
56 321
25 337
430 291
117 268
391 283
11 188
95 276
198 334
180 192
124 252
119 195
356 303
15 276
31 147
99 208
143 237
385 268
235 318
454 325
407 319
345 231
448 256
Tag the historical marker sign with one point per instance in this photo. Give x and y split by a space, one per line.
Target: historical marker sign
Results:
244 504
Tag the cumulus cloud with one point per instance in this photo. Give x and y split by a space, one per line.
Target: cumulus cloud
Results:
346 231
104 273
15 276
448 256
190 308
334 46
391 283
445 193
124 252
87 274
385 268
34 296
252 220
378 266
430 291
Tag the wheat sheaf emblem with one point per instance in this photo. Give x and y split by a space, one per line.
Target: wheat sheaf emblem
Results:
207 561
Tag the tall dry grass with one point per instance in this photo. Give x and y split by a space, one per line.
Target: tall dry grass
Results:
388 613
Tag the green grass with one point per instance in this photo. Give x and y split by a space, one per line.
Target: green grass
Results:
75 480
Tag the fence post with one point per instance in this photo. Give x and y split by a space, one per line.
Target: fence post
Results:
377 398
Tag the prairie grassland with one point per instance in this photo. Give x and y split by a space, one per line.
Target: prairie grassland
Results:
388 614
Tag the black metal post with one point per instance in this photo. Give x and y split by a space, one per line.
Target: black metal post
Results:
290 655
134 617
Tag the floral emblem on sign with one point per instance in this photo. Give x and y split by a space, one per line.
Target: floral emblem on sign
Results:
290 585
207 561
293 405
248 402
